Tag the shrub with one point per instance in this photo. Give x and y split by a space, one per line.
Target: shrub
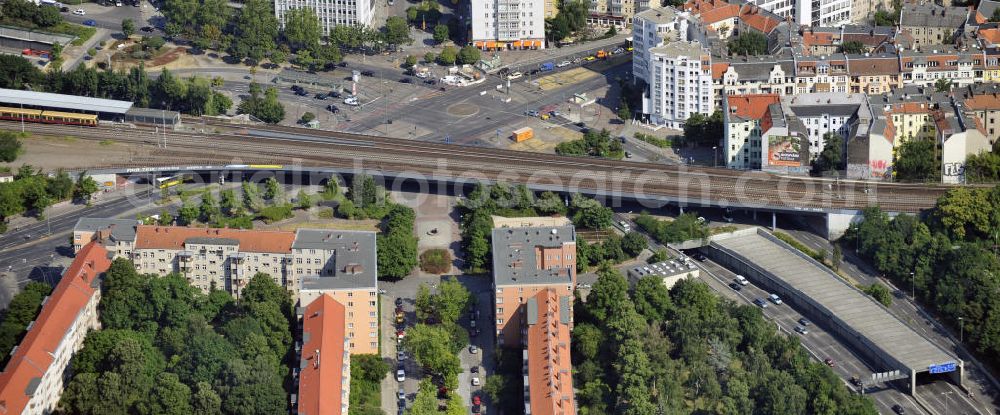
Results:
435 261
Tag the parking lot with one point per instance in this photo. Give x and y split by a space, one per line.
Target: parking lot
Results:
482 339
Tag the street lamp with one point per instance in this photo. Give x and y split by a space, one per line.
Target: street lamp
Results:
715 156
961 330
913 286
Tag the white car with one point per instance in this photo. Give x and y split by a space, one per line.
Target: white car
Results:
351 101
475 381
742 280
515 75
79 12
563 63
400 375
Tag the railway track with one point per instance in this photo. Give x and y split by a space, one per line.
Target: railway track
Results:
313 148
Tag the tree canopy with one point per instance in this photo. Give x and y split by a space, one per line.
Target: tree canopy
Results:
916 161
689 351
749 43
167 348
593 143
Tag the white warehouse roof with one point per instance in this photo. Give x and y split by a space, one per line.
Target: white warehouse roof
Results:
63 102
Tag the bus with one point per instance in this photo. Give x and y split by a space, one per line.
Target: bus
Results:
169 181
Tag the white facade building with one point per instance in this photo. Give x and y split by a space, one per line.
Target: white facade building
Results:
331 13
508 23
652 28
680 84
810 12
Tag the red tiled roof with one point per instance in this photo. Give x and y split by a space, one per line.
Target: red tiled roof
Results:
718 69
752 106
872 66
712 11
322 377
810 39
173 237
34 355
550 375
991 35
752 17
983 102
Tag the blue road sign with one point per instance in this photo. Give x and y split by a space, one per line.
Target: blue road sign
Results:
943 368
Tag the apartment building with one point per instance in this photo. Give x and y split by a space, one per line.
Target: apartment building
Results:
117 235
548 371
331 13
753 75
983 99
526 261
743 115
324 372
349 275
828 112
925 67
224 259
822 74
617 13
508 24
32 381
715 15
874 74
653 28
308 263
680 84
917 113
930 24
863 11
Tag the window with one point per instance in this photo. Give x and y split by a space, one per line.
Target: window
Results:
500 321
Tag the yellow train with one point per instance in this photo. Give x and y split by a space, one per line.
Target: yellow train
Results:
47 117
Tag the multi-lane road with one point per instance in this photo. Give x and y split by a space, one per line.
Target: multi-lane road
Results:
940 396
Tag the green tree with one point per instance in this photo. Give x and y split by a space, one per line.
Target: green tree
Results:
995 17
251 388
448 56
451 300
430 347
853 47
652 299
10 146
209 210
429 57
983 167
255 31
885 18
634 243
702 130
750 43
441 33
128 27
589 213
302 29
942 85
304 200
307 117
468 55
880 293
205 400
411 61
22 309
397 32
169 396
397 255
831 159
188 213
426 402
609 291
623 111
916 161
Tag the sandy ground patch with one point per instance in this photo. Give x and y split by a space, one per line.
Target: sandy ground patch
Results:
434 233
561 79
69 152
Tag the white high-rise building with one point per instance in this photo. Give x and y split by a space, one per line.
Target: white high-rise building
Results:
652 28
508 24
331 13
810 12
680 83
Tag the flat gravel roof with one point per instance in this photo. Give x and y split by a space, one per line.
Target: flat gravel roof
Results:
829 291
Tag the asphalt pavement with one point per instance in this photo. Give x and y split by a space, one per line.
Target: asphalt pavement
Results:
941 396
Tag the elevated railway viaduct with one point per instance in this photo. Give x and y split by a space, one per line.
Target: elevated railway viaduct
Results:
226 148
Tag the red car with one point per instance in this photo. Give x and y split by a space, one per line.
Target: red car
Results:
476 400
400 334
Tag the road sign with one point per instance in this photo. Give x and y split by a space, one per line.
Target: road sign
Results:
943 368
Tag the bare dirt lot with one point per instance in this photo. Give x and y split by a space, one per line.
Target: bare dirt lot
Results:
51 153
